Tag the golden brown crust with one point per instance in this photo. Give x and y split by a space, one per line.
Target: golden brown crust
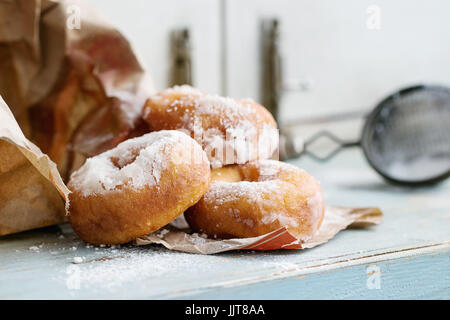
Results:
124 214
212 121
257 198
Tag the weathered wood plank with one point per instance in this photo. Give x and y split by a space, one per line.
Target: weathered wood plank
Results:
418 277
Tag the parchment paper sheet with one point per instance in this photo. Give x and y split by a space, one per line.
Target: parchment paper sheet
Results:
336 219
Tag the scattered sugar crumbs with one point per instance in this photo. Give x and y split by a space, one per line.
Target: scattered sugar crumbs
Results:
110 268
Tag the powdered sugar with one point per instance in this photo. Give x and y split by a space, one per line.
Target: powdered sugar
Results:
268 183
134 163
231 131
215 104
110 270
184 89
271 168
222 192
266 192
283 219
246 136
261 192
77 260
241 144
316 206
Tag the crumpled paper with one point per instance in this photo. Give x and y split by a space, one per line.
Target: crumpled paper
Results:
32 192
178 236
71 79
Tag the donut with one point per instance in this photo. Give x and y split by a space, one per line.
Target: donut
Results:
137 187
230 131
256 198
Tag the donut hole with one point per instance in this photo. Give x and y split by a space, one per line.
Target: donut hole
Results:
120 162
227 174
235 173
251 174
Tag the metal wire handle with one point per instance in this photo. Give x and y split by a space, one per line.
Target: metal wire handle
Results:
339 145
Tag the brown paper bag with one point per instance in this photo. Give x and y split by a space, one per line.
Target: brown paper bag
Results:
31 190
72 81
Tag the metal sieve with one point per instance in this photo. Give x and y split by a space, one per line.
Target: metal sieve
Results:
406 138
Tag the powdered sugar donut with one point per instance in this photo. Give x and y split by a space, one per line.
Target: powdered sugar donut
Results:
230 131
256 198
137 187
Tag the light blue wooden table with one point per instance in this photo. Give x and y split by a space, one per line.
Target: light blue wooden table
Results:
407 256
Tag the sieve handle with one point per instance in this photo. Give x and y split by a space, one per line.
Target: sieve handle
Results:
306 148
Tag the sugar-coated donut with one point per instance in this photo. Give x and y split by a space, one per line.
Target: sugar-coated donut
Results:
256 198
230 131
137 187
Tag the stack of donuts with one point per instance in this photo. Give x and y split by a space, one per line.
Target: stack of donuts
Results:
207 157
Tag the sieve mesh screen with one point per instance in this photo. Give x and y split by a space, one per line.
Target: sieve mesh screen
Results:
407 137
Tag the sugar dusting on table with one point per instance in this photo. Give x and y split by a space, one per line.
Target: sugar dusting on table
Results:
110 269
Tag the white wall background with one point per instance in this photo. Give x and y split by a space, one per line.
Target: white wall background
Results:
148 23
350 67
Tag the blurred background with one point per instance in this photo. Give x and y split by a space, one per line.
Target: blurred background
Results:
338 59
